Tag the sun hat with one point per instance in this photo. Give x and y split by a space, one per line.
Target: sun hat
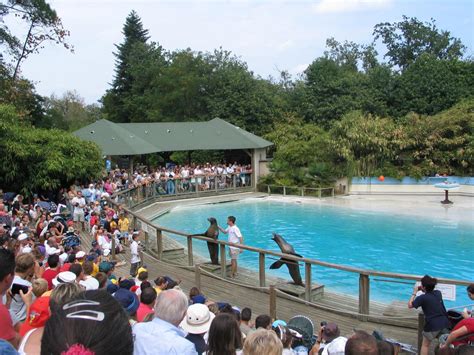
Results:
22 236
63 257
198 319
278 322
90 283
64 277
70 229
106 252
127 299
80 254
26 250
141 269
305 327
37 316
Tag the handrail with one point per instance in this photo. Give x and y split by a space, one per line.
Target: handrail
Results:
351 269
301 189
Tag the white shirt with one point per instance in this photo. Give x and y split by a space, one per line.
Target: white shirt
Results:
105 242
81 202
234 235
336 346
134 252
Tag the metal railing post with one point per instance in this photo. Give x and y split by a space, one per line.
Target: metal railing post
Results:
319 193
234 181
223 261
190 251
308 281
332 192
302 192
268 189
284 190
272 302
261 269
364 295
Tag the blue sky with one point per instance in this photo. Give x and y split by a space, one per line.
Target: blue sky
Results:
269 35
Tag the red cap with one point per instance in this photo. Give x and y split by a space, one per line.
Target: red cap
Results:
37 316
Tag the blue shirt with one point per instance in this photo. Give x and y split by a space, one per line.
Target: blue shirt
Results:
434 311
160 337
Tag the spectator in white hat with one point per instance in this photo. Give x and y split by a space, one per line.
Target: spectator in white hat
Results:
64 277
197 323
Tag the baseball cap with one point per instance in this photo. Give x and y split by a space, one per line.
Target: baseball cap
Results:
37 315
198 319
22 236
105 266
126 283
127 299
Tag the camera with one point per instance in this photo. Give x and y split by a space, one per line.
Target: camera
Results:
323 324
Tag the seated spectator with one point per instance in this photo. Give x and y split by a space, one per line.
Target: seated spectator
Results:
84 326
129 302
163 332
52 270
147 303
64 277
361 343
225 336
197 323
39 287
161 284
24 271
195 296
285 336
263 321
387 348
102 279
470 293
262 341
245 317
329 340
89 282
7 274
78 271
463 328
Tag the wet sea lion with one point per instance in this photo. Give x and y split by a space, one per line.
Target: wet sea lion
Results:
213 233
293 266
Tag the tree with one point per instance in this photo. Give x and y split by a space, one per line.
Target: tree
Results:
43 23
408 39
36 159
115 98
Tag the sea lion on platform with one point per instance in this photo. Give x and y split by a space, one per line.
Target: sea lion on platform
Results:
293 266
213 233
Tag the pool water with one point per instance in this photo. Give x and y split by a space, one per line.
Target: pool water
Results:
342 235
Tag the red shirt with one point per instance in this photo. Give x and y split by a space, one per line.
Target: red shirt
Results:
142 311
65 267
49 275
7 331
469 324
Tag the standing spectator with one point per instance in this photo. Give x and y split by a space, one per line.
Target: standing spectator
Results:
436 318
79 204
234 237
123 225
147 302
135 259
163 332
263 341
52 271
197 323
224 335
24 270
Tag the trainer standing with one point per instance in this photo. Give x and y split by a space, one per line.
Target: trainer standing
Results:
234 237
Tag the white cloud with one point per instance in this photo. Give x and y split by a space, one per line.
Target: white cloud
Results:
338 6
285 45
298 69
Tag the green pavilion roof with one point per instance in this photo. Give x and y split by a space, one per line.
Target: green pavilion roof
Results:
144 138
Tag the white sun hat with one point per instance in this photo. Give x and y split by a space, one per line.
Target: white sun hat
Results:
64 277
198 319
80 254
22 236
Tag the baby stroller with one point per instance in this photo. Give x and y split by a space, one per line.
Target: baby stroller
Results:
71 240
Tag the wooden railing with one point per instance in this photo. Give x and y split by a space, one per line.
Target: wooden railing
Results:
297 190
191 187
154 235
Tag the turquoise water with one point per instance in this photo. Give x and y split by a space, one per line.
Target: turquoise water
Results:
341 235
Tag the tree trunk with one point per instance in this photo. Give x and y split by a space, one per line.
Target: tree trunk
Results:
20 58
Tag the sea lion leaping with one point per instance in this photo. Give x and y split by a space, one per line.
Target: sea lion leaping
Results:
293 266
213 233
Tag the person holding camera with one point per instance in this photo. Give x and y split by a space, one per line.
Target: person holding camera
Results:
436 317
329 340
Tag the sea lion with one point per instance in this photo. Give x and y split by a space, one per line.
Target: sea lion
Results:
213 233
293 266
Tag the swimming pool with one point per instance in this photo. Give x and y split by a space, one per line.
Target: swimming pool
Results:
355 237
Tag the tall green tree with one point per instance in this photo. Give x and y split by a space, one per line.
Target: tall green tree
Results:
115 98
408 39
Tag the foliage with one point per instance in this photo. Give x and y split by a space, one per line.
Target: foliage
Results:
68 112
36 159
43 23
197 157
410 38
114 100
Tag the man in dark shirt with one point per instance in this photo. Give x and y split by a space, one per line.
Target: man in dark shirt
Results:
431 302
